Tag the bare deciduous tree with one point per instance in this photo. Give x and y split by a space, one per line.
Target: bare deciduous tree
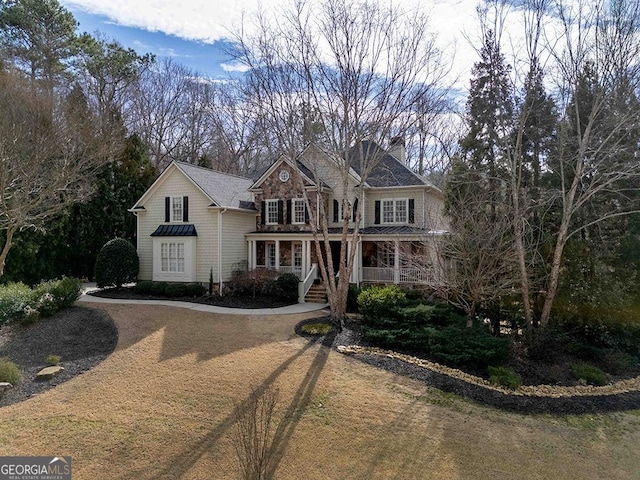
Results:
359 68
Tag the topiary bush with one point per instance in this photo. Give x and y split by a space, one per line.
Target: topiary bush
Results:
589 374
505 377
117 263
287 286
158 288
9 371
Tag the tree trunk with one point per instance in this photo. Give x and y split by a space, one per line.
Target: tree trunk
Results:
5 249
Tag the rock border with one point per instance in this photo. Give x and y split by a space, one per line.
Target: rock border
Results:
620 396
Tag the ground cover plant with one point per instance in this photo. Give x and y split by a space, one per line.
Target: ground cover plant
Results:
561 353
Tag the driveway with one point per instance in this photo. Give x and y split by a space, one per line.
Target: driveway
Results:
163 406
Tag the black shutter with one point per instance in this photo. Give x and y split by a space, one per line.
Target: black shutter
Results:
306 213
377 212
355 209
289 211
263 212
412 208
280 212
185 209
167 209
336 208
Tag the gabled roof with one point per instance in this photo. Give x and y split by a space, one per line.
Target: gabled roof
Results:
388 171
222 189
307 174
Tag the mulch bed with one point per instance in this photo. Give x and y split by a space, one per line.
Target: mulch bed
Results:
82 337
128 293
520 403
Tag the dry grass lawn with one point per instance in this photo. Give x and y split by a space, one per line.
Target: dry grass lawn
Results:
161 406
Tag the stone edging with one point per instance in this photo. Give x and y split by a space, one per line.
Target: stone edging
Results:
540 391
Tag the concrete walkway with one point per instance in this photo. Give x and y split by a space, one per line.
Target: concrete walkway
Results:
289 309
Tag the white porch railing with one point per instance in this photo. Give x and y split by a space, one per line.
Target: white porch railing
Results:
305 285
377 274
422 276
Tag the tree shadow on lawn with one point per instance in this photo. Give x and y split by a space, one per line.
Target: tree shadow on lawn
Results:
179 465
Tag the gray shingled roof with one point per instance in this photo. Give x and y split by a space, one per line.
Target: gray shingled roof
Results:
224 189
181 230
388 171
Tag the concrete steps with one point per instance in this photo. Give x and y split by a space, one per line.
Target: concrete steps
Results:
316 294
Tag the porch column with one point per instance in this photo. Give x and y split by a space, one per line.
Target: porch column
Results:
396 261
254 254
278 255
305 263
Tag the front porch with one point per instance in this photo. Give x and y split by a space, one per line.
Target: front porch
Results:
376 261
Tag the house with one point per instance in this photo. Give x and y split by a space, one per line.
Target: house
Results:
193 221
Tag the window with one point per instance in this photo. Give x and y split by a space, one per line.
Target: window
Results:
172 257
271 255
271 214
297 255
297 205
395 211
176 209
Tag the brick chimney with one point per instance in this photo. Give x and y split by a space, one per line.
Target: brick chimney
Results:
397 148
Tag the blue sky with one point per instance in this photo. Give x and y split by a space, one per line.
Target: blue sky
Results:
206 58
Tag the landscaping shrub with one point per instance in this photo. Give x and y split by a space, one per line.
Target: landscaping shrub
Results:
55 295
439 332
158 288
116 264
379 301
260 281
505 377
52 360
14 298
588 373
287 286
544 344
9 371
175 290
195 290
316 328
615 361
352 298
144 287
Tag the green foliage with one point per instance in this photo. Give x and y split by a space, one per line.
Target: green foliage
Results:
143 287
117 263
195 290
211 281
439 332
14 298
175 290
9 371
505 377
260 281
19 302
287 286
379 301
158 288
52 360
352 297
615 361
588 373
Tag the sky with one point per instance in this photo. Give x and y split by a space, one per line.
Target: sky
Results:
194 32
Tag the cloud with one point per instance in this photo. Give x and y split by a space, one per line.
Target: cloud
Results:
234 67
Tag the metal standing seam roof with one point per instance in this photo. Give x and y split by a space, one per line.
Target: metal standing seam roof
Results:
224 189
179 230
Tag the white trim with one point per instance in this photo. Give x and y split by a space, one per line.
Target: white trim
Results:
394 202
293 211
190 254
267 203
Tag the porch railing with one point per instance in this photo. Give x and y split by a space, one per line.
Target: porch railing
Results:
305 285
422 276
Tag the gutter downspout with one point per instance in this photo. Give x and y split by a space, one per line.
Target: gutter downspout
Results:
220 212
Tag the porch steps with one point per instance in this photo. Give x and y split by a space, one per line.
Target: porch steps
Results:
316 294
